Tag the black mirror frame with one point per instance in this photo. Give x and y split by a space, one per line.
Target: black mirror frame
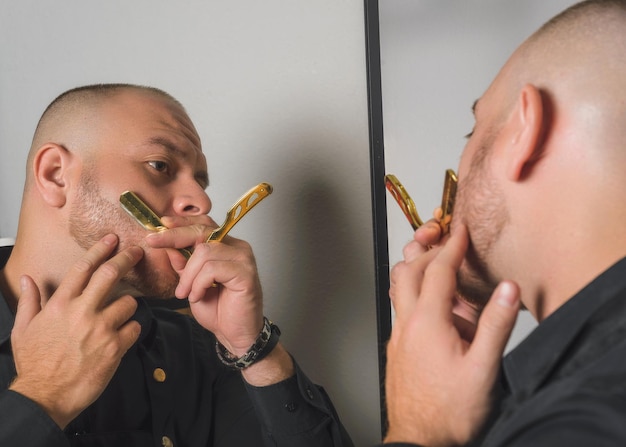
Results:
379 200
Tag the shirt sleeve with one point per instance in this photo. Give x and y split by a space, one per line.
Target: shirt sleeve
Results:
24 423
298 412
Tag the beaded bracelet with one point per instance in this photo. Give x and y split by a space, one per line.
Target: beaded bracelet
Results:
263 345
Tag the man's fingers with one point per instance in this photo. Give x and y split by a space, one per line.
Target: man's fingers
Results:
439 285
182 232
405 280
183 221
28 305
129 334
80 273
413 250
495 325
179 237
428 234
120 311
424 237
215 262
109 273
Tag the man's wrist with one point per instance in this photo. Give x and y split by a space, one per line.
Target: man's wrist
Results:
61 418
265 342
275 367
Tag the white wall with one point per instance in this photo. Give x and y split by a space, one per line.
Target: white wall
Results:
438 56
277 90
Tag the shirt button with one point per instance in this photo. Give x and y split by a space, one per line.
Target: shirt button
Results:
291 407
159 375
166 442
309 393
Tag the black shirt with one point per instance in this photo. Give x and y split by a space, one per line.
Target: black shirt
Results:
171 390
565 384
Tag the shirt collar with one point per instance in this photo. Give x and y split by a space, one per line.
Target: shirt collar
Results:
6 316
529 365
6 321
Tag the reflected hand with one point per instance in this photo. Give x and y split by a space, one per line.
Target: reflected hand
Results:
428 236
438 385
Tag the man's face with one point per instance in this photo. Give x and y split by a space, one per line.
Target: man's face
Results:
480 204
148 146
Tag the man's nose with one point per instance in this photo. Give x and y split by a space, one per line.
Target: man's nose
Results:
192 202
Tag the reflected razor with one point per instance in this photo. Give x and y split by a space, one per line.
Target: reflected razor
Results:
148 219
404 200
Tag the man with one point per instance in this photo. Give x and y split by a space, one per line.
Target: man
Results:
538 223
89 364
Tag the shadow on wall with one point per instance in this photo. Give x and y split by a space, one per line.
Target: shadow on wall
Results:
326 301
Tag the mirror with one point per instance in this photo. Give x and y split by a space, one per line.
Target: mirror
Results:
435 58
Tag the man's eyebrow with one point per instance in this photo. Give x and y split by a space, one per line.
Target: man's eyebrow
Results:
166 144
202 177
474 107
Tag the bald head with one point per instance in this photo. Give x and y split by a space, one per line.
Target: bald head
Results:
589 11
586 43
71 120
578 59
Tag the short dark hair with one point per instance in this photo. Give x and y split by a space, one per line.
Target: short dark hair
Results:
103 91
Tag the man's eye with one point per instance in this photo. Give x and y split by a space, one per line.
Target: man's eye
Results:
158 165
469 135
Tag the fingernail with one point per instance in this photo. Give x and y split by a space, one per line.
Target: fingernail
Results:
137 251
23 283
507 294
109 239
178 292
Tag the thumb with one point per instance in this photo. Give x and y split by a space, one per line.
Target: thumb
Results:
28 305
495 325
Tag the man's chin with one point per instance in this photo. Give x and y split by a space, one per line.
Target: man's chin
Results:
152 283
127 289
153 276
474 293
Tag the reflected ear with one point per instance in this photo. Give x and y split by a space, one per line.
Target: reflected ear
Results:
527 121
50 170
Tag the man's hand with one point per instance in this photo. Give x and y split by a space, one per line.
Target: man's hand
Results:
426 237
222 284
67 351
438 384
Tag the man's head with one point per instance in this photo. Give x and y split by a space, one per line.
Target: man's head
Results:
543 168
95 142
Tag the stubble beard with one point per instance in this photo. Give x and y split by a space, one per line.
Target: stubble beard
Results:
483 209
92 217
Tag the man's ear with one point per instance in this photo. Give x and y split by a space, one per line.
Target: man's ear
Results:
527 121
50 171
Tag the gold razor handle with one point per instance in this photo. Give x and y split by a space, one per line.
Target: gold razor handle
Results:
404 200
448 199
148 219
145 216
407 205
240 209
